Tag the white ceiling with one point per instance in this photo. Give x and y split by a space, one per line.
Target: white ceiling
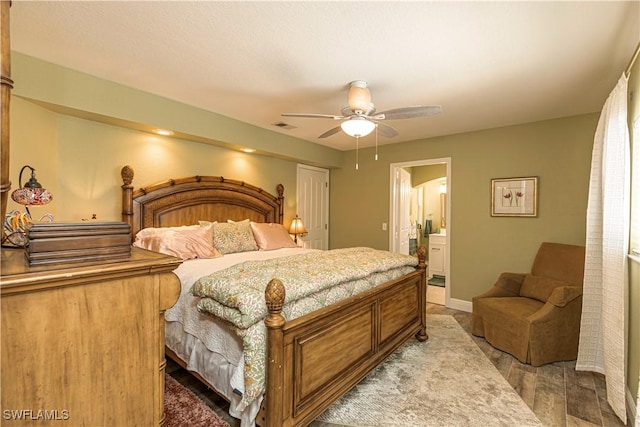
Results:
488 64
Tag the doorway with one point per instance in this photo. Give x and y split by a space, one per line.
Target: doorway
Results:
402 208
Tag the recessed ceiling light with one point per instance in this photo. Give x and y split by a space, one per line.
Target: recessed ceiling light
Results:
162 132
249 150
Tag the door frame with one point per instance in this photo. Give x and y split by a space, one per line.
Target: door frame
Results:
394 200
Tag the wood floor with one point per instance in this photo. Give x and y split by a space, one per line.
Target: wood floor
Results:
557 393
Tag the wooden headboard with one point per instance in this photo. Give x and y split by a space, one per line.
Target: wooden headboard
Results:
185 201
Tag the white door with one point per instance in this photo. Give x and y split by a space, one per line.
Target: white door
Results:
404 205
313 206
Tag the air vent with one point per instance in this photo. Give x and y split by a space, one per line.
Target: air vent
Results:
284 125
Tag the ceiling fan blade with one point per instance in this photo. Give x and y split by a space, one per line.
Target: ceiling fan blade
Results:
330 132
408 112
347 112
386 130
313 116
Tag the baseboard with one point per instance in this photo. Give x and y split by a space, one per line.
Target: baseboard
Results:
460 304
632 410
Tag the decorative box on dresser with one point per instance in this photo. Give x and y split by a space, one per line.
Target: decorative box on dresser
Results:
85 343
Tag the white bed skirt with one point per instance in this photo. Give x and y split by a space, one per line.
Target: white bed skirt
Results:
223 375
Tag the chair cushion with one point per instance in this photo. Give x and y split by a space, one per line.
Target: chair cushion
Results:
508 309
539 287
505 322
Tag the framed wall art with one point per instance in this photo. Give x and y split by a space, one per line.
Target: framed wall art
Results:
514 196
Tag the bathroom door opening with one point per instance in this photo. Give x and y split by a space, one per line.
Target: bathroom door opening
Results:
436 171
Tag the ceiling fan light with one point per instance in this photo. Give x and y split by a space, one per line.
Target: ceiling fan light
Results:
357 126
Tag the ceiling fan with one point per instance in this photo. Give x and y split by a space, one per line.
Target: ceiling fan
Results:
359 117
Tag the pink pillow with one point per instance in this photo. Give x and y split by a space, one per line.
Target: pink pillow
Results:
187 242
271 236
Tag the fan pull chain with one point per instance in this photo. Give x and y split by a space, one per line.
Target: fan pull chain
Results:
376 158
357 141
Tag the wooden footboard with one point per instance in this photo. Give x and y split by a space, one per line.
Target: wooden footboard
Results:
313 360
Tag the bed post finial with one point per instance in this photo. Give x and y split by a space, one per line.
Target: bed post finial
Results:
422 257
280 190
127 195
274 296
127 174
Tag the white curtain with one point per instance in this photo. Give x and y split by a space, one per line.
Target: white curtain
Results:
637 424
604 309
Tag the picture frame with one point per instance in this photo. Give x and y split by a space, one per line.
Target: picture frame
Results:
514 196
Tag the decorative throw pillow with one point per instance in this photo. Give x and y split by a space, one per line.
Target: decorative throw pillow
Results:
539 287
186 242
231 237
271 236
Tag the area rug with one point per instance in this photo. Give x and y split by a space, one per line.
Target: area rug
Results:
446 381
183 408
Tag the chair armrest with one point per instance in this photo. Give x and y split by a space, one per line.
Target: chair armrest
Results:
507 285
563 295
550 312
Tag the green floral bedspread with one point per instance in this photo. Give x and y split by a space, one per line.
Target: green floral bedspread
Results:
312 281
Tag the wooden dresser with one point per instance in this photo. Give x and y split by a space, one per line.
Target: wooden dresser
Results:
84 345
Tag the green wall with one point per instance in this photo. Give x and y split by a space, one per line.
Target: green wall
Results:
79 161
557 151
78 131
74 93
422 174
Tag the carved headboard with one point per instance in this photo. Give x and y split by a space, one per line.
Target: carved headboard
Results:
185 201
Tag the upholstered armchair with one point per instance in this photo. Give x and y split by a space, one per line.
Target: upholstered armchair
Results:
535 316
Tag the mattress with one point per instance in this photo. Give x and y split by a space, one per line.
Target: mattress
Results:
205 343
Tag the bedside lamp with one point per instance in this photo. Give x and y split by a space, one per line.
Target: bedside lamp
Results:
32 194
296 227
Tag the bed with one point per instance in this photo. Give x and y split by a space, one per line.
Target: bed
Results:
311 360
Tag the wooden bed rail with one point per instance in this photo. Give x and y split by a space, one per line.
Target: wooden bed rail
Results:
355 336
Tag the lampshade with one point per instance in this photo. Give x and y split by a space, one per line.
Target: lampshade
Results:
32 194
358 126
297 227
